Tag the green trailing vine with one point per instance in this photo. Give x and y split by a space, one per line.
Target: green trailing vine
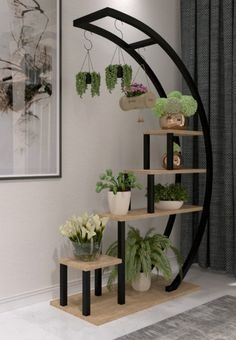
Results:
111 76
82 86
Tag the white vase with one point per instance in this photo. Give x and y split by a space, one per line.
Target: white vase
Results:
169 205
119 202
142 283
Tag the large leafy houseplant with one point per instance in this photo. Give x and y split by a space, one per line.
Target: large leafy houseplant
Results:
143 254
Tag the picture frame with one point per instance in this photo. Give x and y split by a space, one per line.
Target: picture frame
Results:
30 89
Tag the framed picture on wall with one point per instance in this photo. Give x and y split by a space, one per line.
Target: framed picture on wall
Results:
30 89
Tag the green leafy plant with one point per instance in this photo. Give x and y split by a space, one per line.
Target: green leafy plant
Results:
170 192
143 254
111 76
175 103
82 83
122 182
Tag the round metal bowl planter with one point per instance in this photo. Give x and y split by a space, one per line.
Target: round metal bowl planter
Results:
177 161
169 205
174 121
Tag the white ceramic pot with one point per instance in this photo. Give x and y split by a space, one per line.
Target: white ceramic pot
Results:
169 205
119 202
142 283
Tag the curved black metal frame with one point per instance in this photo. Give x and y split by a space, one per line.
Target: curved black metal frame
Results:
155 38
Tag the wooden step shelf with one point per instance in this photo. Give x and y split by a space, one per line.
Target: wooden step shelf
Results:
102 262
176 132
139 214
166 172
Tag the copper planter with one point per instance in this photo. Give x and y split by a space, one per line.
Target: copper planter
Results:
177 161
174 121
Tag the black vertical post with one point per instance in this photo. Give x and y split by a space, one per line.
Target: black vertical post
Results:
126 176
63 285
121 267
146 151
86 293
170 152
98 282
150 194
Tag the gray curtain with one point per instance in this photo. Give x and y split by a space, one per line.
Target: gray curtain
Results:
209 52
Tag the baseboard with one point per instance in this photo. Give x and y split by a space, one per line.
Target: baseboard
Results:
52 292
42 295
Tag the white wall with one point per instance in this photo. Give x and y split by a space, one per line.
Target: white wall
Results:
96 135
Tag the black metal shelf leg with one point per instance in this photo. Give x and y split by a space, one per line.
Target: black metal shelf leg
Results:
63 285
121 267
150 194
170 153
86 293
146 151
98 282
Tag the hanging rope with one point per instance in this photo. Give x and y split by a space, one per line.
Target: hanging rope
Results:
143 67
118 49
87 56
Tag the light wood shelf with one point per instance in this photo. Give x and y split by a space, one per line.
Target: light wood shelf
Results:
165 172
102 262
176 132
142 213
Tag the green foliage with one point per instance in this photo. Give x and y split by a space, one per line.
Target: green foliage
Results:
176 148
111 76
95 84
122 182
175 103
143 254
82 86
170 192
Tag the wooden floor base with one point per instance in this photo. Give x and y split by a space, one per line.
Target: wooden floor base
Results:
105 308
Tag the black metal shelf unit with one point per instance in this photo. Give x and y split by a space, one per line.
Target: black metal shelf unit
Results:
85 23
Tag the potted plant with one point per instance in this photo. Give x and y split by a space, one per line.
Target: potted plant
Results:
113 72
85 78
137 96
173 111
170 196
143 254
119 190
85 232
177 158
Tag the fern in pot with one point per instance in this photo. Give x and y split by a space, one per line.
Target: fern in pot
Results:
170 196
143 254
119 193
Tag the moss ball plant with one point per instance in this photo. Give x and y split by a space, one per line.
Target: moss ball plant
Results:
175 103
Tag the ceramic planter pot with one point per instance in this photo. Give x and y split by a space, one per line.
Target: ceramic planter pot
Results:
174 121
119 202
142 283
177 161
169 205
146 100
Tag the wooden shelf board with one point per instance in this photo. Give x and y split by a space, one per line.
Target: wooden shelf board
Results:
142 213
102 262
176 132
165 172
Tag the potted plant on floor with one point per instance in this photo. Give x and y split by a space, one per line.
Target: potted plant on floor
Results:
113 72
170 196
119 190
85 232
143 254
173 111
137 96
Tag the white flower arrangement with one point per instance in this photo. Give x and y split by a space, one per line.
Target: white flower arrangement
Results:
83 228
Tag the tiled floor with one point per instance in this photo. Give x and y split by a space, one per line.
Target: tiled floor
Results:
43 322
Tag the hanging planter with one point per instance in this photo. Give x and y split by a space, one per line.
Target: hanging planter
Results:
137 96
83 79
113 72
